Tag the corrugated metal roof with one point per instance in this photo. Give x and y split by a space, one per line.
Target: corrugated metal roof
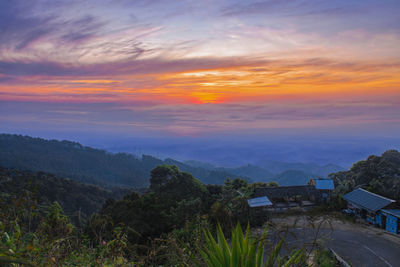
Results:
286 191
367 200
324 184
393 212
259 202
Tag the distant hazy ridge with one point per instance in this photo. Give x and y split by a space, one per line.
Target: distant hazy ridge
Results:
82 163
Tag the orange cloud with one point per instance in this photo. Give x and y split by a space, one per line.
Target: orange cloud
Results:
283 80
261 81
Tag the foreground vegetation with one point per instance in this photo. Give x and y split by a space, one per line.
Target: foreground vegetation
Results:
245 250
56 243
178 221
170 225
325 258
33 189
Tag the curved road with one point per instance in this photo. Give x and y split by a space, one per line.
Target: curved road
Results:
365 249
361 249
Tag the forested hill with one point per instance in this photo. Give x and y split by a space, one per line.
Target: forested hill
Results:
82 163
378 174
41 189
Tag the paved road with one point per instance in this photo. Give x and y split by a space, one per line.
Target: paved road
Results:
357 248
365 249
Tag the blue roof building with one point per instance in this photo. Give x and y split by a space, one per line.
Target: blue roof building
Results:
324 184
375 209
324 187
259 202
365 200
393 212
392 220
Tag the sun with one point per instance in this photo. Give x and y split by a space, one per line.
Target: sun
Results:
207 97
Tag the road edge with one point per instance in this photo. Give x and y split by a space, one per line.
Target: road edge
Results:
340 259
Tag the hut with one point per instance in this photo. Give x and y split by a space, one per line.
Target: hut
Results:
259 209
368 205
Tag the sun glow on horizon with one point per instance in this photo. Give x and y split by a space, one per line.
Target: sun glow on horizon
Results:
226 62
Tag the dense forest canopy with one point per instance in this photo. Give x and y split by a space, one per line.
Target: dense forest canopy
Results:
175 198
378 174
78 200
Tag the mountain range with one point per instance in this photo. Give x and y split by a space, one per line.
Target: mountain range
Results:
96 166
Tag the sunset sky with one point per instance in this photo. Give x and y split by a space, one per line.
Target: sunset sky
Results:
199 69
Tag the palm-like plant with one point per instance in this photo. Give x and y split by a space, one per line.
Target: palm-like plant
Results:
244 251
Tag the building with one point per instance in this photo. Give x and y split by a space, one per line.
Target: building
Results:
389 219
285 197
287 193
259 202
324 187
369 206
258 209
322 184
299 196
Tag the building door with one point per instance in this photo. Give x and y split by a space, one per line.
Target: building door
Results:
391 224
383 226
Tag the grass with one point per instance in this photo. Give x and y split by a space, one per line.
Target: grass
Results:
325 258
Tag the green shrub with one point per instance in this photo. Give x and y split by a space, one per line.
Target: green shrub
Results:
244 251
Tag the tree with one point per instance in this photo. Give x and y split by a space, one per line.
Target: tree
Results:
55 224
160 176
169 180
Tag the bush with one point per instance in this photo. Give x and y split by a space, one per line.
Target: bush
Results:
244 250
